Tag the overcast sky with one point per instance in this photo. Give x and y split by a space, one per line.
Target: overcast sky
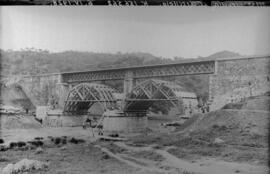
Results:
162 31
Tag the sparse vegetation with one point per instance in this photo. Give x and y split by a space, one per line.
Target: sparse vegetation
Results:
36 143
57 140
76 141
21 144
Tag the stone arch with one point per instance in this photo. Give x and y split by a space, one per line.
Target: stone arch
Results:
143 95
83 96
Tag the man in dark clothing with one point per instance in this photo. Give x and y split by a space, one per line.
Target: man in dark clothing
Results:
88 122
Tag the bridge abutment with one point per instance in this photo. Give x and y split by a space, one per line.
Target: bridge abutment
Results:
236 79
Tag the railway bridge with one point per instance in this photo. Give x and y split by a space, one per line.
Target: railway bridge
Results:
141 86
230 79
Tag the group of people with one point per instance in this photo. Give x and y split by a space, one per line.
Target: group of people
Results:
204 108
91 123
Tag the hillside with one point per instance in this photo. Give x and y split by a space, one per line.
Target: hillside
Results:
36 61
239 135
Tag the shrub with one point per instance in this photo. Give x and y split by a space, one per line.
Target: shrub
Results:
13 144
38 138
73 140
3 148
81 140
57 140
76 141
1 141
36 143
64 141
4 159
21 144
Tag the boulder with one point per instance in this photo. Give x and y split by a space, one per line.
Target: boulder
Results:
8 169
24 165
39 150
218 141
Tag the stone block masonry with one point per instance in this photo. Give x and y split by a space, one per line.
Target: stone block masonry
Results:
239 78
63 121
43 90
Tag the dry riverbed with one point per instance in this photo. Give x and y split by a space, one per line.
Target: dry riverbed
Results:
119 158
159 150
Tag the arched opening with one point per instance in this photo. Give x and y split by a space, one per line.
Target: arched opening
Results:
83 96
146 93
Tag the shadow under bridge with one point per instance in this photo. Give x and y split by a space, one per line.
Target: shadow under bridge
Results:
83 96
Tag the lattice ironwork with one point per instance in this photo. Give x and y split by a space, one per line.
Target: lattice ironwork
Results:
92 76
146 93
191 68
176 70
83 96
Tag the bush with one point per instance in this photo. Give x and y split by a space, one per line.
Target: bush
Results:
114 135
38 138
64 141
36 143
81 140
76 141
13 145
3 148
39 143
73 140
4 159
57 140
1 141
21 144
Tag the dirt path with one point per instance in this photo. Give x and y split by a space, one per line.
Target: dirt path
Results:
211 166
248 110
204 166
132 164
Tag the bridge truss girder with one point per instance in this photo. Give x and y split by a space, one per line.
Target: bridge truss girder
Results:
150 71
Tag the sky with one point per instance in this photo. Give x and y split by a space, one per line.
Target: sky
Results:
162 31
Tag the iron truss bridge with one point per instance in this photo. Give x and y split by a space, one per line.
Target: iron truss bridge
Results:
165 70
